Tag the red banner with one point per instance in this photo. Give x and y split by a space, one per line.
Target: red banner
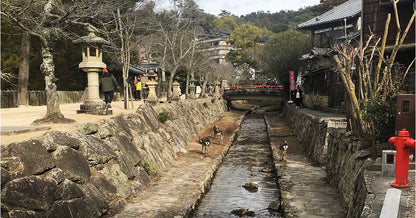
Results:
292 81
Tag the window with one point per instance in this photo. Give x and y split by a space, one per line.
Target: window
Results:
406 106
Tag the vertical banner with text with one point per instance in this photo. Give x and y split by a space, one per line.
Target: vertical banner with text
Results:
292 81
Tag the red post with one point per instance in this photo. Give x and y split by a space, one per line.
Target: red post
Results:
403 144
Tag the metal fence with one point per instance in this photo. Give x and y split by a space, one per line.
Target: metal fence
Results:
37 98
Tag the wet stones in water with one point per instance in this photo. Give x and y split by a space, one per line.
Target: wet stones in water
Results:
266 170
251 186
274 205
243 212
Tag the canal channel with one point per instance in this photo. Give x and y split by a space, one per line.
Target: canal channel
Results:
248 160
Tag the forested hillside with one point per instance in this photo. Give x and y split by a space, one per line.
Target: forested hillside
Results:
283 20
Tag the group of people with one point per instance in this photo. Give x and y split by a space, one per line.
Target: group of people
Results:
108 84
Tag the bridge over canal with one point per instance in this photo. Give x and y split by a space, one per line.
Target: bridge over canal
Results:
253 92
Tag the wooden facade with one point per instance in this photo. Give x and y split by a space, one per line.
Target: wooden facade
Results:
374 16
323 87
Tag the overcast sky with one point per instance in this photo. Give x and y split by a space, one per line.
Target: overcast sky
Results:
243 7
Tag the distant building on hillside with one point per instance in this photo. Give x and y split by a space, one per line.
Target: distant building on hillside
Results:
218 45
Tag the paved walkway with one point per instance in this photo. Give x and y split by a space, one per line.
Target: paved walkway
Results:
16 123
377 187
303 189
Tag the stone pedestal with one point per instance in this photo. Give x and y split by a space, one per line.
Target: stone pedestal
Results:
175 94
93 81
152 97
94 107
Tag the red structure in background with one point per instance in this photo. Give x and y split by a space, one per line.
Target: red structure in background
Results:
253 86
403 144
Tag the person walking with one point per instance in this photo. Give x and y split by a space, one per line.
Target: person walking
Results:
139 89
298 99
107 82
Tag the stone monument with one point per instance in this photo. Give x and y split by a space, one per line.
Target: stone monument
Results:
175 94
92 64
151 84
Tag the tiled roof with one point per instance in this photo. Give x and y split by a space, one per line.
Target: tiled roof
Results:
348 9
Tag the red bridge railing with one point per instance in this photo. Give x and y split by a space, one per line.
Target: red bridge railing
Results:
253 86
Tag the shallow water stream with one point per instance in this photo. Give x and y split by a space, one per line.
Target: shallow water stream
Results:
249 154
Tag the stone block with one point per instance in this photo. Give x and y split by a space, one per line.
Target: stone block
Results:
86 128
391 203
388 163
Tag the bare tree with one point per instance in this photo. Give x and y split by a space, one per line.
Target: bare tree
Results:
176 29
23 70
382 74
49 20
127 19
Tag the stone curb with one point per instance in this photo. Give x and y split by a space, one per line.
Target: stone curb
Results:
13 130
280 172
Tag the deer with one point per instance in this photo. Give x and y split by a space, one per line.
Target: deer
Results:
283 149
218 133
205 142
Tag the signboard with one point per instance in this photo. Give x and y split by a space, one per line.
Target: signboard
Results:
292 81
224 84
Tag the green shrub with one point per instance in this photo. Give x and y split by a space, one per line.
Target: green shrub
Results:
163 117
213 100
381 114
149 169
205 104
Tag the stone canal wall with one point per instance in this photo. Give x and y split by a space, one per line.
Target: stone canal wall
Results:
327 144
64 174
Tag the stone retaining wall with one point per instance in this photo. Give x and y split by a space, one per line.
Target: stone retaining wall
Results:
343 156
65 174
309 130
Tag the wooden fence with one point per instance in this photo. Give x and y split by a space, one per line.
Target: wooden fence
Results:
37 98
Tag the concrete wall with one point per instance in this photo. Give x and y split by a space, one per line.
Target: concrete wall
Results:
343 156
65 174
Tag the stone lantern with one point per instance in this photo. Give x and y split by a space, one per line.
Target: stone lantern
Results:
151 84
92 63
217 89
192 89
175 94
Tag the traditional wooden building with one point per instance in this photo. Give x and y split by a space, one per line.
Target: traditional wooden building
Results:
374 16
322 86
